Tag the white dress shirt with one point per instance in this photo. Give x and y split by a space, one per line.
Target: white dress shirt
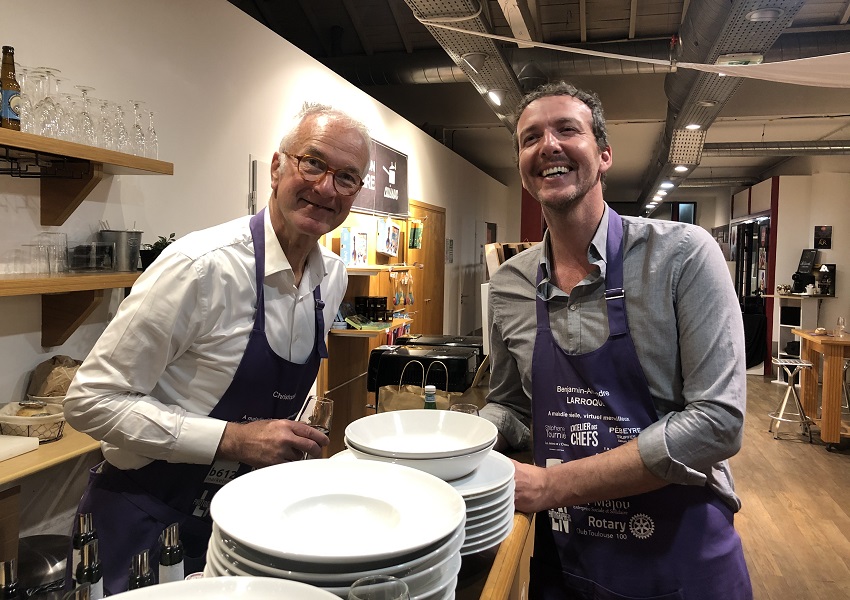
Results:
170 353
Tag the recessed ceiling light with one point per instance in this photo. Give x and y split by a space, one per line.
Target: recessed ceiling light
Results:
680 168
657 198
764 14
497 96
666 185
660 193
693 126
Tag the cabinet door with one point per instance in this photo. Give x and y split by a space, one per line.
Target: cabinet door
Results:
428 282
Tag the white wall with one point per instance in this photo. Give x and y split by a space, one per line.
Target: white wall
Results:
222 87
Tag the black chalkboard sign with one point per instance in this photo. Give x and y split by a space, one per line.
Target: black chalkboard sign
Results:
807 260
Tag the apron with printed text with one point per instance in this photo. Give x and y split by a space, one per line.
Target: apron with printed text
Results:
131 508
677 542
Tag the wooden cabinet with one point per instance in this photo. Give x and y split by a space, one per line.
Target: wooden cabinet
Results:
68 172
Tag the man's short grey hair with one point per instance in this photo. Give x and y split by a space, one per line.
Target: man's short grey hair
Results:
562 88
315 109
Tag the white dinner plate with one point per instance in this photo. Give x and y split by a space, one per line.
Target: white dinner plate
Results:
489 541
482 504
235 555
323 511
495 471
229 588
498 523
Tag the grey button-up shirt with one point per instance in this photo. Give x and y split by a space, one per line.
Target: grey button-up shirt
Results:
686 325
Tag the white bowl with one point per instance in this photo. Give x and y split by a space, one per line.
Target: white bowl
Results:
421 434
448 468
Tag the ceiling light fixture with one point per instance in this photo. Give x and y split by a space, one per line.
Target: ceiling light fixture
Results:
693 126
657 198
764 15
680 168
660 193
475 60
667 185
497 96
706 103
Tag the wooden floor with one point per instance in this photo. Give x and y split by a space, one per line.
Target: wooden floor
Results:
795 519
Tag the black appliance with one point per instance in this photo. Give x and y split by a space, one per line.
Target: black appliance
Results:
476 342
804 275
386 364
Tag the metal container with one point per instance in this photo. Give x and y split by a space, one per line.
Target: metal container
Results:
127 245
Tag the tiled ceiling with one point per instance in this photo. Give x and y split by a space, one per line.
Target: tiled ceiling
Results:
383 48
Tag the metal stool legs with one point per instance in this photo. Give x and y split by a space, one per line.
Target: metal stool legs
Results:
845 404
785 413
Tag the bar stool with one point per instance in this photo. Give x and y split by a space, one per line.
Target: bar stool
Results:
784 413
845 403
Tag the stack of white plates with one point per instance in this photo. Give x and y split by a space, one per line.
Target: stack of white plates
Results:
488 493
329 523
228 588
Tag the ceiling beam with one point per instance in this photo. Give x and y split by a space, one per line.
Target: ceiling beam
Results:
632 19
353 14
519 19
314 25
582 12
395 8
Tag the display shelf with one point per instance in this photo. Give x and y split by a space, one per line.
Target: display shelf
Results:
70 445
68 171
370 333
372 270
792 311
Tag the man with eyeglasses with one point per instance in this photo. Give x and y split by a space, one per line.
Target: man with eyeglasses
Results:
198 377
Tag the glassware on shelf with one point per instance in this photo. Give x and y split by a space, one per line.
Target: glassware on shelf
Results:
68 110
122 137
27 115
152 147
47 115
137 139
87 133
106 127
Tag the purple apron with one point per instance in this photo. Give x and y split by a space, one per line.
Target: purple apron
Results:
131 508
674 543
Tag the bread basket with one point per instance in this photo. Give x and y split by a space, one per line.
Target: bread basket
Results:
46 428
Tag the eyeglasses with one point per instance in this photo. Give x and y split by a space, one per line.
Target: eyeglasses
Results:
346 182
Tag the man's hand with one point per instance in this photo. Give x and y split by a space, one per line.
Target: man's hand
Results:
264 443
531 487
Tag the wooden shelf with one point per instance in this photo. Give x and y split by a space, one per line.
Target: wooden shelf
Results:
68 171
28 285
70 445
370 333
372 270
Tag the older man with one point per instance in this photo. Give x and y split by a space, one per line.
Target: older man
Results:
620 340
197 378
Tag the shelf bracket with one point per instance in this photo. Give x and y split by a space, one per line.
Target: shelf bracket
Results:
64 186
62 314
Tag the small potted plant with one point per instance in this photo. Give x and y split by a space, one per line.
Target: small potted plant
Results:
149 252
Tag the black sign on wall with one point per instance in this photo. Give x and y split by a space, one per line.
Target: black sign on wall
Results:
385 186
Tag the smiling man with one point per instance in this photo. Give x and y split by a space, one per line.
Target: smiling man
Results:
617 352
196 379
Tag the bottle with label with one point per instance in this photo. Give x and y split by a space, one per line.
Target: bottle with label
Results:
430 396
140 572
171 555
84 533
10 113
9 580
89 570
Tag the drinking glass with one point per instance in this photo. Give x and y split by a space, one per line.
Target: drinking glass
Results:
319 414
379 587
106 128
87 132
27 117
152 147
840 328
122 138
138 136
47 117
469 409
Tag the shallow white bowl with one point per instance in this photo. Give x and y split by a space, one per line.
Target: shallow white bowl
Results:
448 468
227 588
421 434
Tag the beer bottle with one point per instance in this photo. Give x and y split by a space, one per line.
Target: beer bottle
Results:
10 114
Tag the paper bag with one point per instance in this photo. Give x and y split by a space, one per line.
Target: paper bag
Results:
409 396
53 377
477 392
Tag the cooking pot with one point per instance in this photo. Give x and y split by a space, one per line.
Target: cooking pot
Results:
41 565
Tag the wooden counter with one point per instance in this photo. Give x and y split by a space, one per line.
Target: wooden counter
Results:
814 348
71 445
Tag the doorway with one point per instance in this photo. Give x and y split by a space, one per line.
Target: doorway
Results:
429 279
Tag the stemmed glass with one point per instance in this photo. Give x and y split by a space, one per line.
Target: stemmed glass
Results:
122 138
105 128
840 328
152 147
318 414
47 118
138 135
87 133
27 116
379 587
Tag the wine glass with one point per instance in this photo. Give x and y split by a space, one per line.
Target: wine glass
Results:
137 138
105 128
840 328
87 133
152 148
122 138
318 414
469 409
379 587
